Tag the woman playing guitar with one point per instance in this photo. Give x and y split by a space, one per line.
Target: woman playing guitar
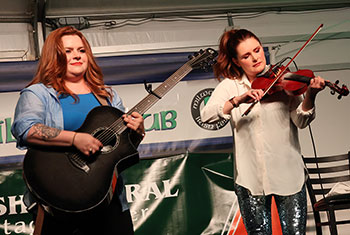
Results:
67 85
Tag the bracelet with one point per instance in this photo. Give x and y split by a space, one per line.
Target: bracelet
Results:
235 105
75 133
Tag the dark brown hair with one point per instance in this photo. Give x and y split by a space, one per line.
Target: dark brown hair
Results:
229 41
52 65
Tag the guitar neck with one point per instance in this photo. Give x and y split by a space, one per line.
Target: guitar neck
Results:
147 102
161 90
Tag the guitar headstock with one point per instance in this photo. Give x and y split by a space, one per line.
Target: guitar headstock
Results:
203 59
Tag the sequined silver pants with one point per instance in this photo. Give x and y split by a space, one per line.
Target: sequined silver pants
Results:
256 212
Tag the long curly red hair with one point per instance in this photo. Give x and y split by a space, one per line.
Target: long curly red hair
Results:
52 66
229 41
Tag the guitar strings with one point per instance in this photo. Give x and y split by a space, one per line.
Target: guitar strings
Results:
118 126
161 90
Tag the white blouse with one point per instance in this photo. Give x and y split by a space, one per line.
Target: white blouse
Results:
266 143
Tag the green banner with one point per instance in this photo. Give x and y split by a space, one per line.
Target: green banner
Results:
180 194
176 195
14 218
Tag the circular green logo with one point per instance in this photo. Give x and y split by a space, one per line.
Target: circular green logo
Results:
198 102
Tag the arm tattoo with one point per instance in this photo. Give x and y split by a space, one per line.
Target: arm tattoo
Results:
45 132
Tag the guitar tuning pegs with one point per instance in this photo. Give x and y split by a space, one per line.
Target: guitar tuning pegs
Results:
190 57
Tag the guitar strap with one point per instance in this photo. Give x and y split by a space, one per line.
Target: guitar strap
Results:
101 100
39 220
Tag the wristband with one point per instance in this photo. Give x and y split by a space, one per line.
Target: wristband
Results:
75 133
232 101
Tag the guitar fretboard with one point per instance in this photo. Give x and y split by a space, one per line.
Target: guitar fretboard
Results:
147 102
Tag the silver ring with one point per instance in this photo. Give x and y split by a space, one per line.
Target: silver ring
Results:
90 150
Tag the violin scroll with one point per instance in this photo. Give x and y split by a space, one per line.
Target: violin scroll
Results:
343 91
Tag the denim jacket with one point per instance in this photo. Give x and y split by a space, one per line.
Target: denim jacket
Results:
40 104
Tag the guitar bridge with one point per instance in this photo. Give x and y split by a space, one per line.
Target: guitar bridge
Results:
78 162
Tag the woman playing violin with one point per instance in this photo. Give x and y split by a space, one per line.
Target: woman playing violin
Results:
267 152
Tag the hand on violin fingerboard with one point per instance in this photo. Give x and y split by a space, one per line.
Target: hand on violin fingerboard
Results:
316 85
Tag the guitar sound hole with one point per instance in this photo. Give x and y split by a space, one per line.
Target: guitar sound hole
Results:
108 137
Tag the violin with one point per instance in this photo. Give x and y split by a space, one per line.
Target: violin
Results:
280 78
293 83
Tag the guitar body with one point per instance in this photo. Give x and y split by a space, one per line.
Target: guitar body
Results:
68 181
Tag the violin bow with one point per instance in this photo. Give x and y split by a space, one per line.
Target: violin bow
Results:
281 72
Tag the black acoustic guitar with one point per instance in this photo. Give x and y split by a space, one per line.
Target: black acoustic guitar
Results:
67 181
